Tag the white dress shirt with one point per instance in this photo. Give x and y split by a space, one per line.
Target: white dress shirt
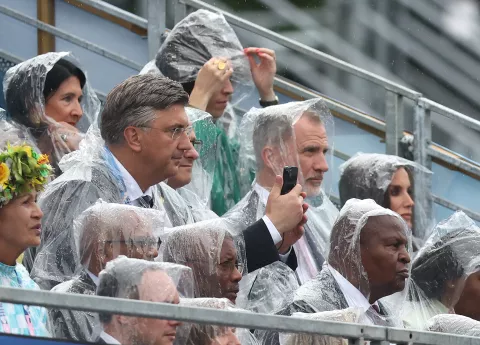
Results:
108 338
134 192
306 269
353 296
94 278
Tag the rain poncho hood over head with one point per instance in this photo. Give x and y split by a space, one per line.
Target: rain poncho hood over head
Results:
199 246
24 86
196 39
368 176
441 269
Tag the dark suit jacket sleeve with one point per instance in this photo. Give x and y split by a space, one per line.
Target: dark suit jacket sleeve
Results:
260 249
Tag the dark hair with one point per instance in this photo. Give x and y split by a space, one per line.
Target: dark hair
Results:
22 95
386 197
60 72
188 87
134 102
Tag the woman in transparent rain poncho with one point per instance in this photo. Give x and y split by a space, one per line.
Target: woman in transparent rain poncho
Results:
446 273
201 334
216 257
203 53
102 233
368 260
143 280
292 134
50 98
389 180
23 174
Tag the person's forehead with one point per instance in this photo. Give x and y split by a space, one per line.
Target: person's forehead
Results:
174 115
306 128
384 226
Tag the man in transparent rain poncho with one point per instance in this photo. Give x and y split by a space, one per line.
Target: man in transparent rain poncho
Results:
50 99
145 281
446 273
194 179
102 233
142 137
368 260
204 54
292 134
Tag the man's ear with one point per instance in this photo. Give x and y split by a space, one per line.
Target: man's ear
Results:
133 137
268 157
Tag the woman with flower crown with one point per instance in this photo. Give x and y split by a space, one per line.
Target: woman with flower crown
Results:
23 173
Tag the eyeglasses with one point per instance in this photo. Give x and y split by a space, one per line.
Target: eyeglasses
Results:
197 144
176 132
230 265
144 243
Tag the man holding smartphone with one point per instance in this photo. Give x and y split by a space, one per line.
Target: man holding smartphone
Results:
290 135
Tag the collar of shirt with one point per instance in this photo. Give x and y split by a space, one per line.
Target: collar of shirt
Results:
108 338
262 193
353 296
94 278
133 189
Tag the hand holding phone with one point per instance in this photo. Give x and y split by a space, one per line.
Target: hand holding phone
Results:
290 175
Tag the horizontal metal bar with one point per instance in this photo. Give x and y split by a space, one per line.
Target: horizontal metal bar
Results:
191 314
116 12
456 207
333 105
9 57
304 49
402 336
451 114
70 38
468 167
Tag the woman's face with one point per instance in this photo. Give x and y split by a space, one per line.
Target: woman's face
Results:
64 104
20 222
401 195
227 272
468 304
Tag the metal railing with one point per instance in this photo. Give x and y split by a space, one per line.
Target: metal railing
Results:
164 14
355 333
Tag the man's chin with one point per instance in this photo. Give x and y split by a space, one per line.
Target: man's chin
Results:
312 190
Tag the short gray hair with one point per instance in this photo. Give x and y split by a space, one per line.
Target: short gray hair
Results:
270 130
134 102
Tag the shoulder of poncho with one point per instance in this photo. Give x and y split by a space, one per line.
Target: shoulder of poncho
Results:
27 282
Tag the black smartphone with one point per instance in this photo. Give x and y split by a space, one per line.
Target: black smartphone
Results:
290 175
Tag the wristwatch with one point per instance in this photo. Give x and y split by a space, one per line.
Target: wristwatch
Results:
265 104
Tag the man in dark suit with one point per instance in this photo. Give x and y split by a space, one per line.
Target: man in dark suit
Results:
104 232
368 260
144 281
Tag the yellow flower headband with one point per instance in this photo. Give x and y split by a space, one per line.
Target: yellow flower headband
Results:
22 170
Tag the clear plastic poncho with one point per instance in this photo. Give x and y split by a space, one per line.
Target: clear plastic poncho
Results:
440 272
274 127
203 334
13 134
89 174
196 39
145 281
197 192
368 176
213 253
102 233
350 315
328 291
454 324
23 87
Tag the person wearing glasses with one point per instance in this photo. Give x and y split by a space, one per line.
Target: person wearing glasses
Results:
140 142
102 233
216 257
